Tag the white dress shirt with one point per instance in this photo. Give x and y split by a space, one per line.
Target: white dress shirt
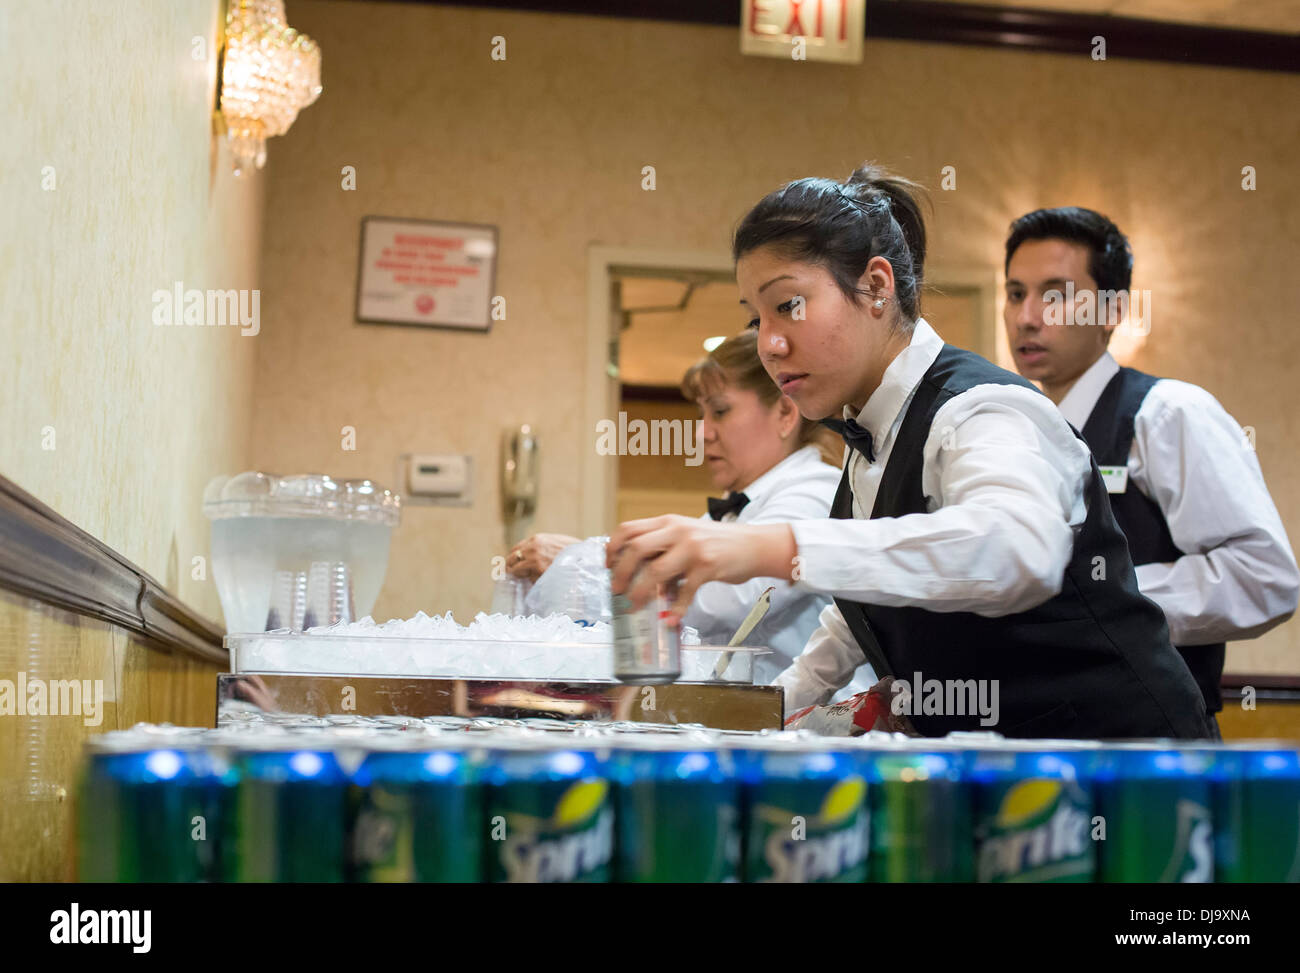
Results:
1003 476
1238 577
800 487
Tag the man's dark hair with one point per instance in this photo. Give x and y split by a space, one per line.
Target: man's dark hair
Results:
1110 261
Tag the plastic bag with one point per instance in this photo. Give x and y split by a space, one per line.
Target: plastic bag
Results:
576 584
509 595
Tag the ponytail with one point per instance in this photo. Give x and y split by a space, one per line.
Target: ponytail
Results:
841 226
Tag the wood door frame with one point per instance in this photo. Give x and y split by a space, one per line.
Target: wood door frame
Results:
599 507
987 282
601 389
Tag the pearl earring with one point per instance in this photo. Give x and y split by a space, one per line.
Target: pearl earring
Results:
879 304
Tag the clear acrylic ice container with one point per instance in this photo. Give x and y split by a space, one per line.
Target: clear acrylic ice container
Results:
296 551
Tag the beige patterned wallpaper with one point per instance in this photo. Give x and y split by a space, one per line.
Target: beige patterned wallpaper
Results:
549 145
112 189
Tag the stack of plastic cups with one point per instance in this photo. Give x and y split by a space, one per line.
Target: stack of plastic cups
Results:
288 601
329 594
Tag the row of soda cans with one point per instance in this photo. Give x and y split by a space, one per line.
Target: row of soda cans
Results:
467 800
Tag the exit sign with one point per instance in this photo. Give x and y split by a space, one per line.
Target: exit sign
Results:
812 30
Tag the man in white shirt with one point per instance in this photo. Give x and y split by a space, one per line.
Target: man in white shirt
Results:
1183 478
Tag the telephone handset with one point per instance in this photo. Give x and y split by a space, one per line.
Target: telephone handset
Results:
519 467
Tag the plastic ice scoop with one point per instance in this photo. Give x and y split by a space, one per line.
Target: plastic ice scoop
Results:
752 619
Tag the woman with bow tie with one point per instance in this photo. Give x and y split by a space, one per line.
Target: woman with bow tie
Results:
766 460
971 543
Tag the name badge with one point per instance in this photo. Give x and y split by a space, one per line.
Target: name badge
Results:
1115 478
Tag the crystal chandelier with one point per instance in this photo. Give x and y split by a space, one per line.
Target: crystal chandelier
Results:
269 72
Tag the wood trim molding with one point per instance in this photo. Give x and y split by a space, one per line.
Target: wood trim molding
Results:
1271 687
1048 31
45 556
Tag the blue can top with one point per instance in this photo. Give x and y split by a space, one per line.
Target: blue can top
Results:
453 766
537 763
911 765
999 766
1152 762
319 766
1261 763
694 764
756 764
155 766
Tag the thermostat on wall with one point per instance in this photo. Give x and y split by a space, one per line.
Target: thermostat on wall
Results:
437 478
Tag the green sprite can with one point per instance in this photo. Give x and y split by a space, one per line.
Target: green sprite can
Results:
806 812
288 821
1154 806
921 814
549 813
146 810
1256 808
418 815
677 811
1033 809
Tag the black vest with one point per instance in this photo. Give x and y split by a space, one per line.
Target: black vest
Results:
1093 662
1109 433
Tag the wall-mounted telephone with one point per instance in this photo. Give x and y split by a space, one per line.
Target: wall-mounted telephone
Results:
519 467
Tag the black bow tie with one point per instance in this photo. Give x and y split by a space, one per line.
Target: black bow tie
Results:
853 434
733 504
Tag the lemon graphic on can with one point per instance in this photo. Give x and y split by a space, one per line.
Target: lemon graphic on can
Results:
1026 801
580 802
842 801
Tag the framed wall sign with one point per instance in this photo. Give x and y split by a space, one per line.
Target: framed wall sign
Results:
427 273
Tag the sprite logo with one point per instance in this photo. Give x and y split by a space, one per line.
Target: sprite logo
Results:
1192 858
1039 833
578 838
837 841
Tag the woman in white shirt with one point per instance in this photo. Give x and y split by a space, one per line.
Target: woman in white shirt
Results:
972 552
769 463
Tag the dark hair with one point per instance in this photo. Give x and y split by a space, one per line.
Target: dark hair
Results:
1110 260
841 226
735 362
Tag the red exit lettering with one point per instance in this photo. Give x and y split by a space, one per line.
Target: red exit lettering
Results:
794 26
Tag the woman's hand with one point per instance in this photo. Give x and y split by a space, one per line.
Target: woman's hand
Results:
659 549
533 555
